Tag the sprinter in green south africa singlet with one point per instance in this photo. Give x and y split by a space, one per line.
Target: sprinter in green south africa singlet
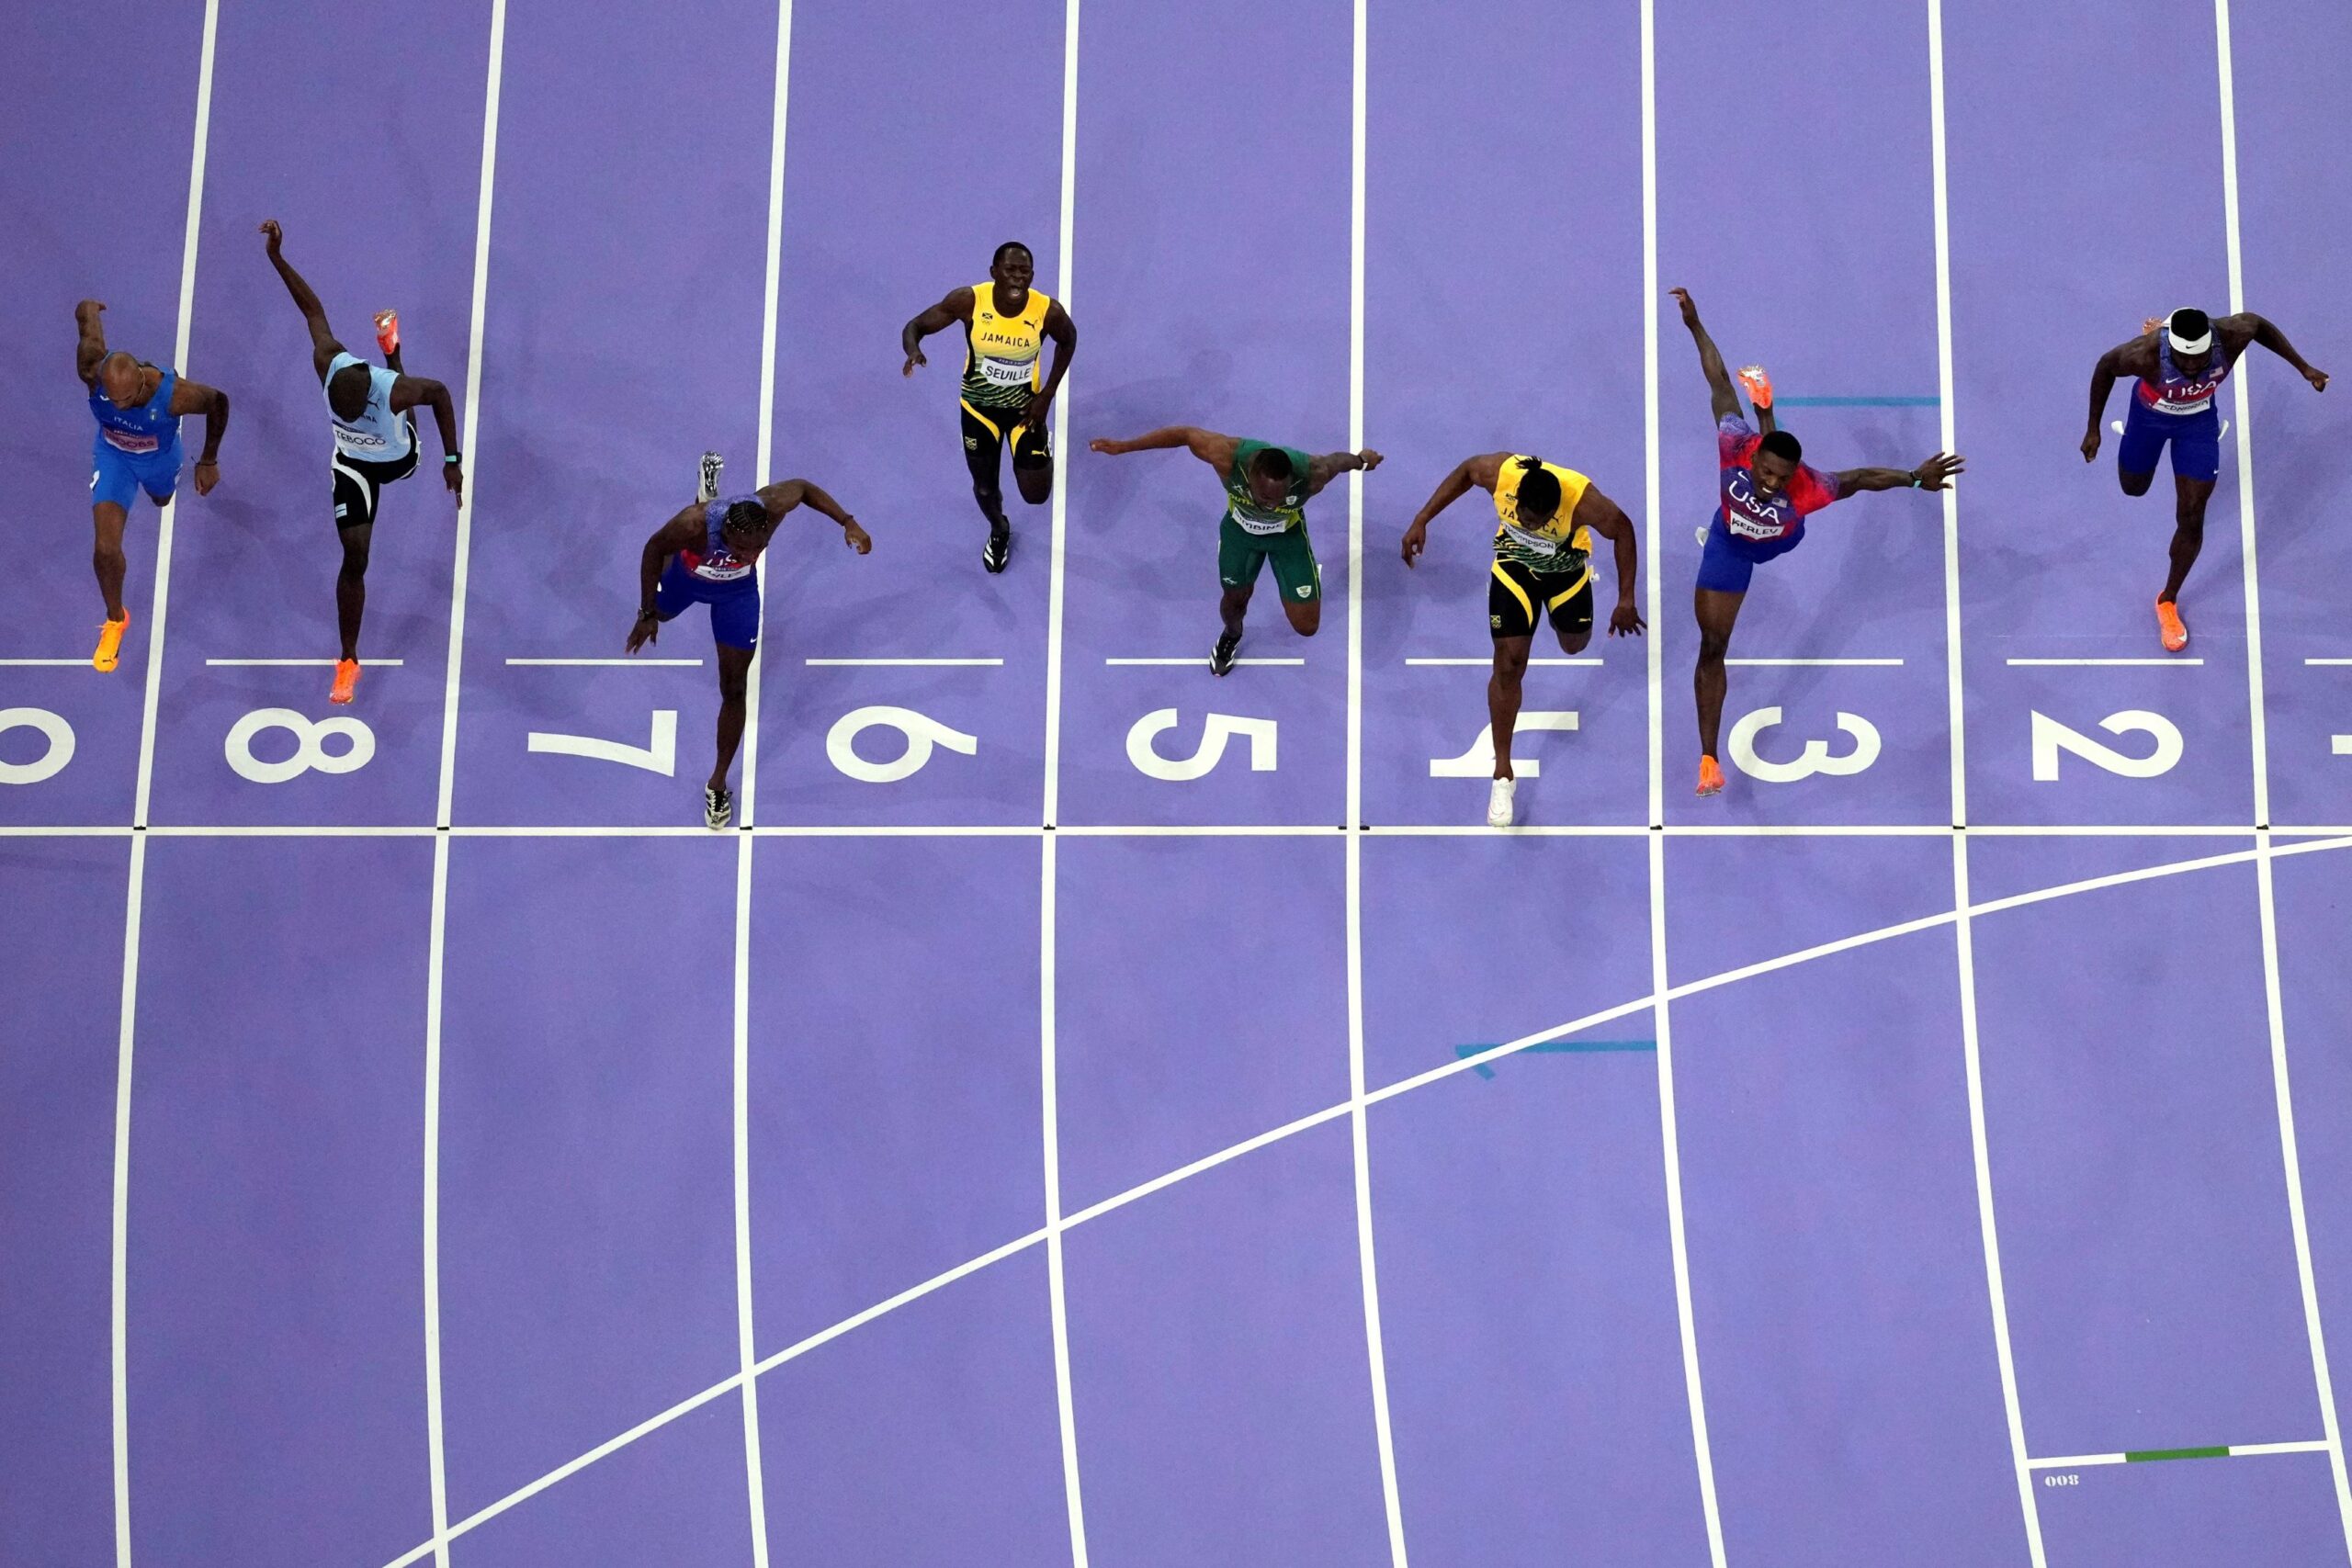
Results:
1266 492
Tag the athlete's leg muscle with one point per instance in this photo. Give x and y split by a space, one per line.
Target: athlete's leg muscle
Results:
107 558
734 688
1502 696
2188 530
1716 612
351 586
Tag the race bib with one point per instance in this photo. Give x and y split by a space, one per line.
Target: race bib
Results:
124 441
1260 524
1538 544
1007 372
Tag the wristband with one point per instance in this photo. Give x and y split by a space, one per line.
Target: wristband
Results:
649 614
1914 481
452 457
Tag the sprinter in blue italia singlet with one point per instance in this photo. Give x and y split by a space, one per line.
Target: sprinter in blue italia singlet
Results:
709 554
2181 362
139 406
372 410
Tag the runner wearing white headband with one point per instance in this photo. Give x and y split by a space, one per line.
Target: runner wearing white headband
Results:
2181 361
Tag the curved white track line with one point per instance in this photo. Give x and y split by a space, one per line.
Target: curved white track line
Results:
1348 1108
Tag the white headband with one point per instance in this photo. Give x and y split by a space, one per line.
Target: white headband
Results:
2187 345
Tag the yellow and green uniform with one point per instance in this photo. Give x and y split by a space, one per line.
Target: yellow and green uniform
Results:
1003 367
1251 533
1547 565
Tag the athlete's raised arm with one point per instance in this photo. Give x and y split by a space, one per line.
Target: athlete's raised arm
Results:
2135 358
1210 448
1934 474
2246 327
783 496
1483 470
1606 518
957 307
1322 470
1721 394
194 397
91 344
323 346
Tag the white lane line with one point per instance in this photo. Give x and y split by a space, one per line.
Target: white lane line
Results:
1331 1113
1049 1108
2111 663
45 663
1825 663
1686 1326
118 1268
2273 999
302 664
626 662
746 1335
1358 1133
900 663
435 956
2233 1450
1197 663
1487 663
1964 929
2316 663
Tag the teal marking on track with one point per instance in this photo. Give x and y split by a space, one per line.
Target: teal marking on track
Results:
1560 1047
1856 402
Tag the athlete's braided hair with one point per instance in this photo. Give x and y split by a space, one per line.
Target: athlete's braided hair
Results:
1539 489
746 518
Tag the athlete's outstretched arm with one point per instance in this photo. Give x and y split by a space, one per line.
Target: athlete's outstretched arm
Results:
1064 332
323 346
1322 470
2264 332
1210 448
2132 358
781 498
92 344
1722 396
957 307
1608 519
410 391
194 397
1483 470
676 535
1934 474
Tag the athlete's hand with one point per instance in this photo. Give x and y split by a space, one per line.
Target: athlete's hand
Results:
2318 378
2150 323
1625 620
647 629
1689 311
1417 539
454 476
1107 447
1368 458
89 307
1033 416
271 234
856 538
2090 444
1939 472
914 357
208 474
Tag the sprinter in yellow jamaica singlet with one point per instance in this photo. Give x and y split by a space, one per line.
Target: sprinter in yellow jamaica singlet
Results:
1545 519
1004 397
